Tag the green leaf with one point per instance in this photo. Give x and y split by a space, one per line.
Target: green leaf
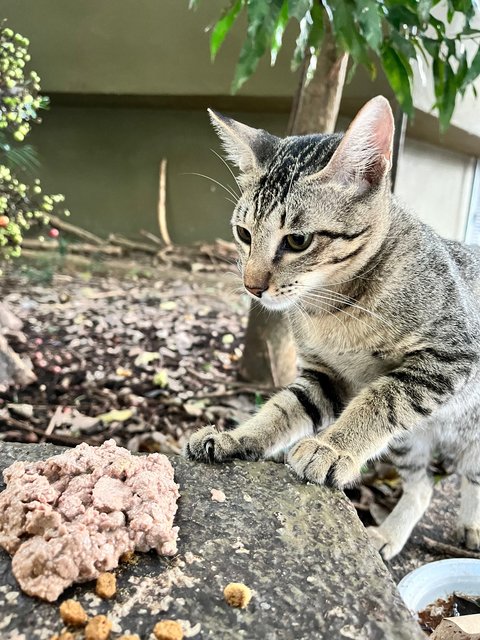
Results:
301 43
423 11
465 7
432 46
398 77
160 379
399 15
473 71
348 34
369 18
439 27
310 36
146 357
462 71
116 415
262 18
299 8
317 29
223 26
278 33
403 44
446 103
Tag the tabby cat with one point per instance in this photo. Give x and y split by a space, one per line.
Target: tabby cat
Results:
385 315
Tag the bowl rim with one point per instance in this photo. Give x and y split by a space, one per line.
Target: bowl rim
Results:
410 586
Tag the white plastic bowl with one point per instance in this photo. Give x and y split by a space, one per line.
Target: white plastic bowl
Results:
439 580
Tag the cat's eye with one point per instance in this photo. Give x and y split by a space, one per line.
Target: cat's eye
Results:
299 241
244 235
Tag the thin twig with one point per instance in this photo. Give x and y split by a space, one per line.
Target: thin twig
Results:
74 230
151 236
162 204
120 241
58 413
73 247
449 549
53 437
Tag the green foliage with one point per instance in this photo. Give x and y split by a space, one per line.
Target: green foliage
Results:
22 203
395 34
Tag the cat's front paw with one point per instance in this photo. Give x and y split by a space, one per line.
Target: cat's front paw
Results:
384 542
210 445
318 461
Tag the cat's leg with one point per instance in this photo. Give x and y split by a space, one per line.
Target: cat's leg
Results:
395 403
303 408
469 515
411 457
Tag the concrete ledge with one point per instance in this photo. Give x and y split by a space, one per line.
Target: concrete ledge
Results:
300 548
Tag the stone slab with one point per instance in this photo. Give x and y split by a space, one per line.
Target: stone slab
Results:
300 547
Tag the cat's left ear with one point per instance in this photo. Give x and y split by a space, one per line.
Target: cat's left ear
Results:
245 146
364 156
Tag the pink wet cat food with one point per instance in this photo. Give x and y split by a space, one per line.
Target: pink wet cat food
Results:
69 518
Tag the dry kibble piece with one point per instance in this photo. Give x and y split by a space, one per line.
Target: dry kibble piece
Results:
237 595
106 585
168 630
133 636
73 613
98 628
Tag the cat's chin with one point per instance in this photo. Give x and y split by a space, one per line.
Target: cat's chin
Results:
275 304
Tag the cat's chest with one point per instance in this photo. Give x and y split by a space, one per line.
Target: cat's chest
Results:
358 368
357 359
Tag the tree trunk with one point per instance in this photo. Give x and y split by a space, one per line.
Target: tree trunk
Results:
316 105
269 356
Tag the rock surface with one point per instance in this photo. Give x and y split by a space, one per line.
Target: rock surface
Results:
300 548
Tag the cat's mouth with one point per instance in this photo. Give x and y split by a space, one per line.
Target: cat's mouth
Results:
275 303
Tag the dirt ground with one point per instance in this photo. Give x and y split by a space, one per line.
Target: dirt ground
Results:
145 361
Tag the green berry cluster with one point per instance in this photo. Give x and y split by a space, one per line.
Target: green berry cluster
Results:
22 204
19 89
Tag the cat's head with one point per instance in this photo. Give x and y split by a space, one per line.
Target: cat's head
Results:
314 209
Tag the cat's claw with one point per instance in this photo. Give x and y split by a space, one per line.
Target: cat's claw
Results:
210 450
321 463
210 445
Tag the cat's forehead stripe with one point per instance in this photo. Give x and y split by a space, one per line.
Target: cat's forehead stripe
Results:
297 156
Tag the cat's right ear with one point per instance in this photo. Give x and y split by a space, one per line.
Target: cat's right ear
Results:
245 146
364 156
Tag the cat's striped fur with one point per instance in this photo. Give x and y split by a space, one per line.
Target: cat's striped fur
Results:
385 314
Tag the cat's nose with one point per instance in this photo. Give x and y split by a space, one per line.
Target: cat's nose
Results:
256 291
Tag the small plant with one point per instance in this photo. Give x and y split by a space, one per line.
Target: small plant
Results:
23 205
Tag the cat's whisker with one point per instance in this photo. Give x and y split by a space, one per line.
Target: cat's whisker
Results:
322 308
202 175
313 300
230 169
351 302
360 275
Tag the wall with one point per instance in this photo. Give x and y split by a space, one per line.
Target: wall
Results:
147 47
106 162
436 184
